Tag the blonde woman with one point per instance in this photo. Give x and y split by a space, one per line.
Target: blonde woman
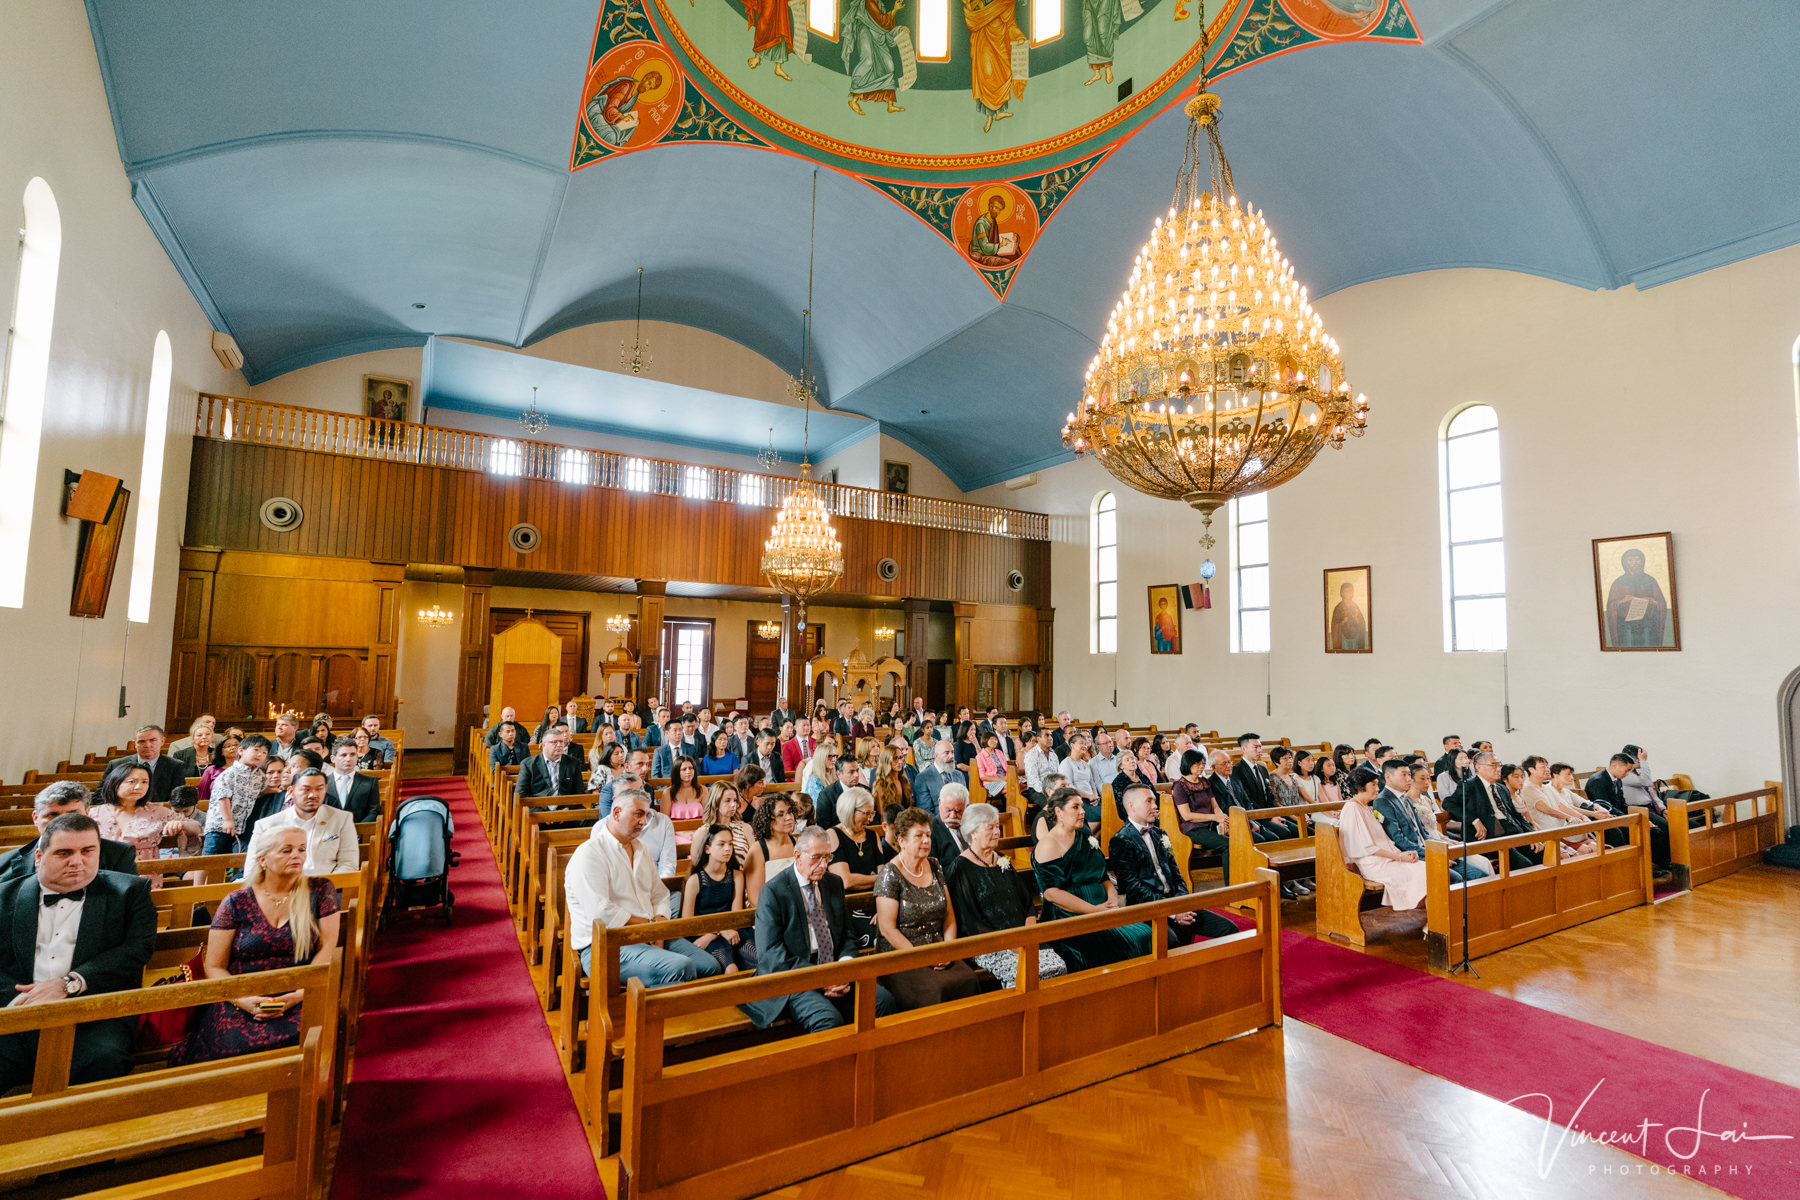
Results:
816 774
724 807
280 918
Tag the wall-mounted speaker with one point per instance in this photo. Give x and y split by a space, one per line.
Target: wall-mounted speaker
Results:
524 537
1015 581
888 569
281 515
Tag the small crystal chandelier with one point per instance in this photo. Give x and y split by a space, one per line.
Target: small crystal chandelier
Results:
620 624
435 616
884 634
1215 378
534 421
768 631
768 457
637 357
802 557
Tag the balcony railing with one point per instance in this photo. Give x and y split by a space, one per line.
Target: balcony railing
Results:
258 423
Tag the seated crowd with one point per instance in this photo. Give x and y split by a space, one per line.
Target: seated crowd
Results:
881 807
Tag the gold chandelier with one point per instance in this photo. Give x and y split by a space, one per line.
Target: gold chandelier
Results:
802 557
1215 378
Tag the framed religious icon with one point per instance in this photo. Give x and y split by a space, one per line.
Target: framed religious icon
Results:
386 399
1349 619
896 476
1634 592
1165 619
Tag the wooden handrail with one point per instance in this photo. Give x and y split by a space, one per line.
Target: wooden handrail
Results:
261 423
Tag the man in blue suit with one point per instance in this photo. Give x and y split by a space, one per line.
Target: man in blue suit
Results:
1401 820
931 779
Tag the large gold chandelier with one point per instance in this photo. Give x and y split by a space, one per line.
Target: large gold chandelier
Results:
802 557
1215 378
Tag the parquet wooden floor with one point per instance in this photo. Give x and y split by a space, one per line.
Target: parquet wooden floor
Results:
1290 1112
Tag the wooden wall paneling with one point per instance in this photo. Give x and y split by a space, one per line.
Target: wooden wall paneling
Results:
187 654
1045 699
572 628
916 615
377 690
965 656
651 598
796 649
472 661
762 668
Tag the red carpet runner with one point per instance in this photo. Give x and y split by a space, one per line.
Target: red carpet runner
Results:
457 1091
1604 1084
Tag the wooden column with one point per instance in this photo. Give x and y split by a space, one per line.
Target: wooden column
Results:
193 627
472 661
1043 696
791 688
915 618
965 657
384 650
652 595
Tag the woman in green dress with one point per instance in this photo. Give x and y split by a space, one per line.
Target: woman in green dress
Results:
1071 877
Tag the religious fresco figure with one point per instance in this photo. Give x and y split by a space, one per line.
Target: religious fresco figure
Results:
1635 606
993 31
611 113
772 33
989 244
872 52
1100 22
1349 627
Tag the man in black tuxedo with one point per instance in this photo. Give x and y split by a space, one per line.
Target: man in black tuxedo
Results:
70 929
165 773
801 921
347 788
64 796
552 771
1143 864
1484 807
1250 780
1606 788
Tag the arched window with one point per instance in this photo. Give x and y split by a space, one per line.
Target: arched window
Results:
934 30
696 483
26 370
1046 21
506 457
156 437
1250 574
1104 537
1474 552
822 17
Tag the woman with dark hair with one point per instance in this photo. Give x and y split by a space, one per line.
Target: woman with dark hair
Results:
125 813
912 908
1345 754
1282 779
990 766
279 918
1460 769
368 758
682 799
1149 762
1159 751
1072 878
774 828
552 715
604 763
715 885
719 759
723 807
1367 844
226 754
1306 778
1330 791
968 745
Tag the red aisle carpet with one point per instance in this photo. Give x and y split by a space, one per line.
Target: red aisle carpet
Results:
1549 1065
457 1091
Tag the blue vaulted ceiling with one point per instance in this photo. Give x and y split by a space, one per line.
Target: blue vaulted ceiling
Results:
317 169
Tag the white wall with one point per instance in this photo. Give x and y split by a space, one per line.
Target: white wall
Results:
1620 413
337 386
116 289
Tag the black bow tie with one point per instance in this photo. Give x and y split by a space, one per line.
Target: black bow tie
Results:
52 898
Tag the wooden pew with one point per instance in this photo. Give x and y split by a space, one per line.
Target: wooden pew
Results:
1291 858
58 1126
1517 906
1728 839
1343 894
875 1084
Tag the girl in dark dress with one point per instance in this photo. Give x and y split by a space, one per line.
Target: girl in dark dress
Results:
716 886
280 918
1071 876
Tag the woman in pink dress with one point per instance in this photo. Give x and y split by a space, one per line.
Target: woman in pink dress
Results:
125 814
1368 845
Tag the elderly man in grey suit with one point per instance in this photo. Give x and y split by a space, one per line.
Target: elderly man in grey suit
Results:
801 921
932 779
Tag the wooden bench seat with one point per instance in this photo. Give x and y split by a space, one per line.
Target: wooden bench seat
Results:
1727 838
1290 858
1343 894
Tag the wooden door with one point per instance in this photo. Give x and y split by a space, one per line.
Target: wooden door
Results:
762 668
572 628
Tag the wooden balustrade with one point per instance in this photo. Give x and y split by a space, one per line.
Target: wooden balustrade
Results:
257 422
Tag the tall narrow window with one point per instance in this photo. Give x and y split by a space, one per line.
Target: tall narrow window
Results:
1046 21
687 648
506 457
156 436
22 378
822 17
695 483
1104 536
1250 574
572 465
634 475
934 30
750 489
1474 552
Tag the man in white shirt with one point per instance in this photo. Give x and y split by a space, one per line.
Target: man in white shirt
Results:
330 833
658 836
1038 762
1172 765
614 880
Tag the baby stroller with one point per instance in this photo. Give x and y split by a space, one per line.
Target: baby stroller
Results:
420 858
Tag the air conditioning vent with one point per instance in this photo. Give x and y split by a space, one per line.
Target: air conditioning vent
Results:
888 569
1015 580
524 538
281 515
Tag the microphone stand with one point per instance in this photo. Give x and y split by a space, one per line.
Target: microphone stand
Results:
1463 860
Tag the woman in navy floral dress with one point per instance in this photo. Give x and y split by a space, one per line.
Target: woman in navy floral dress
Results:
255 931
